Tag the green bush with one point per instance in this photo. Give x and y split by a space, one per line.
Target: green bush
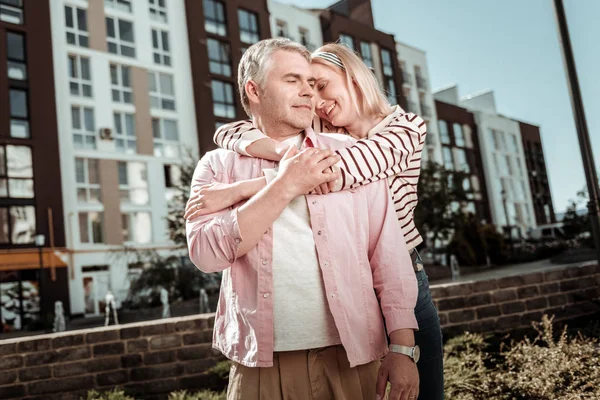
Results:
221 369
545 368
203 395
115 394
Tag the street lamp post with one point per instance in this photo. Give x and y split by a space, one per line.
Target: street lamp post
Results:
40 241
581 124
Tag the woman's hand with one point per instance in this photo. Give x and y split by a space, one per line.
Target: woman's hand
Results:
212 198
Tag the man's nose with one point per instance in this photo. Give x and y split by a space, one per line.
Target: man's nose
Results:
307 90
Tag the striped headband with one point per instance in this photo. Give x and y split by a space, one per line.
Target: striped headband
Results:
331 57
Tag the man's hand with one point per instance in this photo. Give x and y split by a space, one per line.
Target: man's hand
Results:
401 371
303 171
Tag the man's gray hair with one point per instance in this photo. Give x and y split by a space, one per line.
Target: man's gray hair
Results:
255 64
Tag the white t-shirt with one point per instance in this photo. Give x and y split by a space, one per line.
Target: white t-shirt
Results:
302 319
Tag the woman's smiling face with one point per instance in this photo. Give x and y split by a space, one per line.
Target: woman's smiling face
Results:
333 99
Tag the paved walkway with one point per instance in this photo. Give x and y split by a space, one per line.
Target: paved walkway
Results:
509 270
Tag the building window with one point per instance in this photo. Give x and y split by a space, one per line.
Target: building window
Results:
76 26
125 138
121 5
91 227
365 51
84 128
172 175
158 10
347 40
498 140
219 57
214 17
444 135
388 75
518 166
166 137
282 29
17 224
15 54
447 156
461 160
119 36
120 79
161 50
502 164
133 183
305 38
459 138
137 227
80 76
11 11
16 172
386 62
514 147
223 103
162 92
248 27
19 114
87 179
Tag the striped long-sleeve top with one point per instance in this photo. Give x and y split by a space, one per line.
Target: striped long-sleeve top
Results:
392 150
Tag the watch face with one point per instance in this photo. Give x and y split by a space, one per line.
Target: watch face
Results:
416 353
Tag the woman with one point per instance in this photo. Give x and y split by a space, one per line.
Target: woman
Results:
389 145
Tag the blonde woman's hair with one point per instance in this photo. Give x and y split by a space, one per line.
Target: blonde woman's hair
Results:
367 95
255 63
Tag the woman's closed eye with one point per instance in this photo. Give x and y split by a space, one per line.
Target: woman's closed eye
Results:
321 86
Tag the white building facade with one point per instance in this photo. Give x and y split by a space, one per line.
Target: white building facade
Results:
297 24
417 90
503 158
126 114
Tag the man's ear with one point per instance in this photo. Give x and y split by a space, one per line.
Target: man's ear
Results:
252 91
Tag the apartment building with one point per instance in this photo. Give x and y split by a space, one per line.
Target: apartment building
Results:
503 159
33 271
537 174
125 115
459 139
218 34
416 88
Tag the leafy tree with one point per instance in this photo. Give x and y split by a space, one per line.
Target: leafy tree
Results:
576 224
440 190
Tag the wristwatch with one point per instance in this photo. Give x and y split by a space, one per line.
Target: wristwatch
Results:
413 352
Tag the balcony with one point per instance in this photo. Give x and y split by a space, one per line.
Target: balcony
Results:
421 83
407 78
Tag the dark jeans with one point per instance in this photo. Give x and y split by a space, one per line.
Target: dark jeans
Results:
429 339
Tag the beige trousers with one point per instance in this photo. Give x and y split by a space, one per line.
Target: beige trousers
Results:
316 374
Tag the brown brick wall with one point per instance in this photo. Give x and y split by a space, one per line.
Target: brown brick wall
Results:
147 359
513 302
151 359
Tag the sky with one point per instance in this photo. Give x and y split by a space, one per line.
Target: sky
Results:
511 47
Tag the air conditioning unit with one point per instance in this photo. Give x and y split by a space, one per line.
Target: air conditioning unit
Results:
105 134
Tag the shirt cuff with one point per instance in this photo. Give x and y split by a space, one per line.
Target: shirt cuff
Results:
401 319
270 174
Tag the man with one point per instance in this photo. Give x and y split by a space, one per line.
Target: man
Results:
306 279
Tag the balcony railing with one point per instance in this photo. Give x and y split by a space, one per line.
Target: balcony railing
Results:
407 78
421 82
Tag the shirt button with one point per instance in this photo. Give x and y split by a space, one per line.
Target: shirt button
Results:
237 241
266 295
264 262
333 295
326 264
314 202
318 233
231 261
